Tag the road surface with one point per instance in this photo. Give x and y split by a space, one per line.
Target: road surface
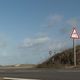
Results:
42 74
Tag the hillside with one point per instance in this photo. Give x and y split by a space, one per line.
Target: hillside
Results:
65 57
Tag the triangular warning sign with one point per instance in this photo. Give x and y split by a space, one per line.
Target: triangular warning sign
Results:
74 34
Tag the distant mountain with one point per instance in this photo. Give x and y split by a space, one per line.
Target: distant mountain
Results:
65 57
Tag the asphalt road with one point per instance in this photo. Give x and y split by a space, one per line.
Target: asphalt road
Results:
42 74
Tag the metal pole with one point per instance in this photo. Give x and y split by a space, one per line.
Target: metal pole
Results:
74 49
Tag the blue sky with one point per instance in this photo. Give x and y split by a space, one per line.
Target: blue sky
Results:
30 28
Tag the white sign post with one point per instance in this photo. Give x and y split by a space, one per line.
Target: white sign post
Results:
74 36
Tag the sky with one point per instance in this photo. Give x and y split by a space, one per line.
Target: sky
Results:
29 29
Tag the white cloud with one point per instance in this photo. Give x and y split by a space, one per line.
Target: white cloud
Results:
29 42
42 43
53 20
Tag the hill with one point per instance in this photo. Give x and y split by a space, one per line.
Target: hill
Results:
64 58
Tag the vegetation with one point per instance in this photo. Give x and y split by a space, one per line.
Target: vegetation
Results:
62 59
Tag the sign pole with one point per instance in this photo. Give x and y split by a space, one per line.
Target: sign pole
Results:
74 50
74 36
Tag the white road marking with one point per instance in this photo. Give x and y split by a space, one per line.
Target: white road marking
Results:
5 78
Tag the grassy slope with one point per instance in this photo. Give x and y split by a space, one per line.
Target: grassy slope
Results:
66 57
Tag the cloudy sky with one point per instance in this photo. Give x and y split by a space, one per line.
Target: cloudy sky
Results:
30 28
